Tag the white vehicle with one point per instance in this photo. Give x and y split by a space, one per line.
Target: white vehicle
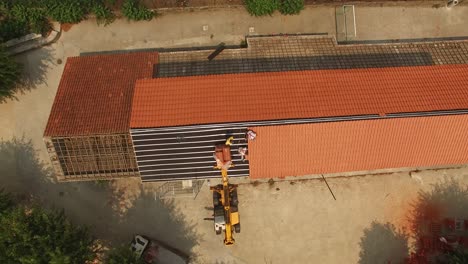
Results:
155 252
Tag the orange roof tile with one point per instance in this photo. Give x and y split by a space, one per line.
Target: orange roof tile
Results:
95 93
296 150
225 98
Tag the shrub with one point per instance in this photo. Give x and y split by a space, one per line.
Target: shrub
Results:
66 11
291 7
111 2
103 14
134 11
261 7
122 255
33 15
4 7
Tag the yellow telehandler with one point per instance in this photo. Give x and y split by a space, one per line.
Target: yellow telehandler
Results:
225 202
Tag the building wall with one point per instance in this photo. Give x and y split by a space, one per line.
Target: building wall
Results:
92 157
319 148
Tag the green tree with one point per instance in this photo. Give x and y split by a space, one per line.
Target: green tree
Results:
66 11
133 10
32 16
5 202
458 256
261 7
12 28
33 235
123 255
104 14
291 7
10 74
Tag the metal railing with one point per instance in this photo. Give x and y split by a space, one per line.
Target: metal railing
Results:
180 189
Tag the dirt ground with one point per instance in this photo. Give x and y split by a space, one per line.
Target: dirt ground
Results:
284 222
289 221
300 222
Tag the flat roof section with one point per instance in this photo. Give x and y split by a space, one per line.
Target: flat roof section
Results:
334 147
95 93
308 52
166 102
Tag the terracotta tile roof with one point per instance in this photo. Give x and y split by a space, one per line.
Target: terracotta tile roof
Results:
296 150
299 94
95 93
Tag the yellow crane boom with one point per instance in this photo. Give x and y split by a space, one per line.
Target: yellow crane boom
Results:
226 215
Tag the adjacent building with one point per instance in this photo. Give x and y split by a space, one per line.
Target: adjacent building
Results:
316 108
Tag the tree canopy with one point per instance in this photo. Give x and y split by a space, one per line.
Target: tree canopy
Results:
458 256
30 234
123 255
10 74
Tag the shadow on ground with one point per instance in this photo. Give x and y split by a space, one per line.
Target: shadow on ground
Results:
433 219
446 199
91 203
383 243
35 66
